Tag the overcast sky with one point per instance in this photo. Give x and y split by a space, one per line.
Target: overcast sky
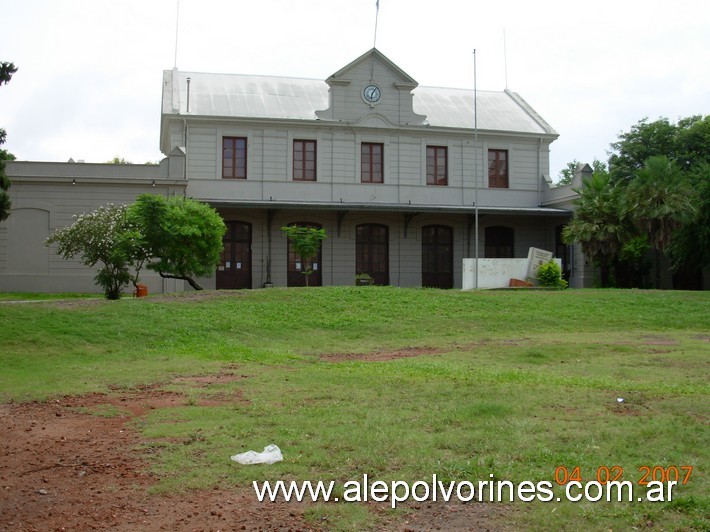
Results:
90 71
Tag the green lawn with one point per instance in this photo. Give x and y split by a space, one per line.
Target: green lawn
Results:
506 383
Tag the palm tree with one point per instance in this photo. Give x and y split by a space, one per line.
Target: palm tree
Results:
599 224
659 200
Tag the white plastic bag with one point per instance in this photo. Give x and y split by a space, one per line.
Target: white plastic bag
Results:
271 454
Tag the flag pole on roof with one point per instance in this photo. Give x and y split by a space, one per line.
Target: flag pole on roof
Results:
377 16
177 29
374 41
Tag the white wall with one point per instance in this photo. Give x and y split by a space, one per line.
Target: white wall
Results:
494 273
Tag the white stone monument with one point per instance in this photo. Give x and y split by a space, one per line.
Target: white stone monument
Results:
536 258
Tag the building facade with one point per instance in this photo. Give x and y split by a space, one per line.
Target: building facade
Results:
406 180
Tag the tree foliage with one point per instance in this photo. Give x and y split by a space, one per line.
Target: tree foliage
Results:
6 72
599 223
106 236
306 241
658 200
659 180
690 246
566 175
177 237
118 160
642 141
183 236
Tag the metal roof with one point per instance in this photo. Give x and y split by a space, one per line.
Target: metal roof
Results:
270 97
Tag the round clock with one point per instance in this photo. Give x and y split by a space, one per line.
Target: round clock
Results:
371 93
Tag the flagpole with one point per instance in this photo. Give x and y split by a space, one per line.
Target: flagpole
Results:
374 41
377 16
475 163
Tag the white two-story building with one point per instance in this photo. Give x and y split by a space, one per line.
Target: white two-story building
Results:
403 179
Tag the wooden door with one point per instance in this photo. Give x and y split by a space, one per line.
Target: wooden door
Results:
234 270
438 256
372 252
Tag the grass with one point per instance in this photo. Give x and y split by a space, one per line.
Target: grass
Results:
35 296
509 384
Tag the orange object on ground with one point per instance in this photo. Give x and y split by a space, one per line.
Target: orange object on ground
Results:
140 291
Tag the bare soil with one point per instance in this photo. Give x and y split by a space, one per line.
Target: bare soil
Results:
64 467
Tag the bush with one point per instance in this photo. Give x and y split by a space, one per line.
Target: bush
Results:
550 275
103 236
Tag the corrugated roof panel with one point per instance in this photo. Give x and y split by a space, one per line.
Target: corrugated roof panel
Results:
237 95
497 111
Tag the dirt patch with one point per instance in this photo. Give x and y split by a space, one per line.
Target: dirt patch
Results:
72 464
195 296
658 340
381 356
207 380
409 352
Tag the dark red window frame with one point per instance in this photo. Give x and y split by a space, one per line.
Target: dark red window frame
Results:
234 158
372 159
304 160
436 165
498 168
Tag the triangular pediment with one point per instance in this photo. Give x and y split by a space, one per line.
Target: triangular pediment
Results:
371 58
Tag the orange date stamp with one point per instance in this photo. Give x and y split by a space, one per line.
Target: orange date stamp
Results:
606 474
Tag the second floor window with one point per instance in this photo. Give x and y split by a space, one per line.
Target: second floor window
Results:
372 162
234 158
436 170
498 168
304 160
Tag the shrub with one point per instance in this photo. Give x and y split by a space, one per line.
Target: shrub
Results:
550 275
103 236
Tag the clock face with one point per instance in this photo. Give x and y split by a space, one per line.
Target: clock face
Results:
371 93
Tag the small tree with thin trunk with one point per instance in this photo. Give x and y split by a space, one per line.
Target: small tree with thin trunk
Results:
104 236
183 236
306 241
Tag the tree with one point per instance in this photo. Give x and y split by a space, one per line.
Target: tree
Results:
690 247
118 160
6 72
642 141
682 232
183 236
566 175
659 201
599 224
306 241
692 143
5 202
106 236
